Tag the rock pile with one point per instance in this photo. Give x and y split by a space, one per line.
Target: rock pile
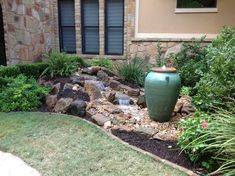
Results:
111 103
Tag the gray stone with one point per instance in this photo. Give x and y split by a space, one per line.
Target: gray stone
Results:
114 84
100 119
173 50
147 131
55 89
133 92
92 90
78 80
103 76
78 108
63 105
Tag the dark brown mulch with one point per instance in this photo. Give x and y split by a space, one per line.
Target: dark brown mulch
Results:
164 149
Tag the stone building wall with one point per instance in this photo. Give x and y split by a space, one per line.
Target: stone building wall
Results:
29 29
32 29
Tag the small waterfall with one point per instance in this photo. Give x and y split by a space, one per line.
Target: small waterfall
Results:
124 102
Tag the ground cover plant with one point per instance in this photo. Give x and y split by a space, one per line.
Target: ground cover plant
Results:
63 145
102 62
21 94
62 64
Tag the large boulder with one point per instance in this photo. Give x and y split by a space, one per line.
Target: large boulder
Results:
63 105
78 108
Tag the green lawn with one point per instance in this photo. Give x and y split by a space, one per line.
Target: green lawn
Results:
60 145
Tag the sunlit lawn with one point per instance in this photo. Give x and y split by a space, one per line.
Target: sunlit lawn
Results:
60 145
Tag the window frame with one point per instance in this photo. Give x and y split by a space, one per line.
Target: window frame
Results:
84 27
197 10
61 42
106 27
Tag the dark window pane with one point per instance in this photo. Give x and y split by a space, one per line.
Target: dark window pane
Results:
67 26
114 40
114 27
69 41
90 26
91 42
196 3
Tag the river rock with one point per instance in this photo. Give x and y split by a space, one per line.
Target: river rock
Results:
100 119
115 85
147 131
55 89
51 101
92 89
63 105
78 108
133 92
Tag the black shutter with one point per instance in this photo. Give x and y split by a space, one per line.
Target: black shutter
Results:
90 26
67 26
2 41
114 22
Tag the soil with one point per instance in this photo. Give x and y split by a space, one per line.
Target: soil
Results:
167 150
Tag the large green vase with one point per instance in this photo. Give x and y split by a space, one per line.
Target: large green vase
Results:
162 87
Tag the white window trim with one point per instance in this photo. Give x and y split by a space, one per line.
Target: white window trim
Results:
196 10
164 36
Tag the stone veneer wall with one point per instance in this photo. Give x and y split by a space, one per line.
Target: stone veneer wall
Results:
29 29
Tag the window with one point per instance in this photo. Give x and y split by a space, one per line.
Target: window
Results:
67 26
196 3
90 26
114 22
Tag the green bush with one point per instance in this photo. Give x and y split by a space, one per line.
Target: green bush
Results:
102 62
217 85
133 71
191 63
210 140
30 70
185 91
62 64
193 132
21 94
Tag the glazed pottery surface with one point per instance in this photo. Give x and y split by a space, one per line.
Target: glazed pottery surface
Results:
162 87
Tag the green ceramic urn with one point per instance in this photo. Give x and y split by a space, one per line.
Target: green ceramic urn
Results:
162 87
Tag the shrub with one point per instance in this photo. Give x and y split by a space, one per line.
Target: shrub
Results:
193 132
21 94
217 85
211 142
62 64
190 62
185 91
133 71
102 62
30 70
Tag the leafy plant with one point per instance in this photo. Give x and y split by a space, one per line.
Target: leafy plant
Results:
102 62
193 132
185 91
191 62
62 64
21 94
217 85
210 140
133 70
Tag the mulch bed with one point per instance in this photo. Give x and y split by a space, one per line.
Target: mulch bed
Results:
167 150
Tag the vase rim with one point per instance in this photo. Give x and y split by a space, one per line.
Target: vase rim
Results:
164 70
